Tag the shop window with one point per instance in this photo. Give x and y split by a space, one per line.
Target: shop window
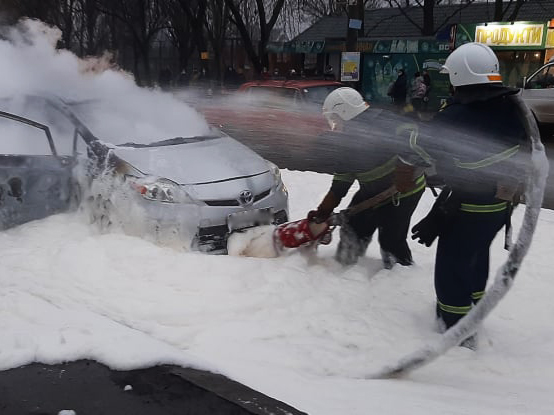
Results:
514 65
310 60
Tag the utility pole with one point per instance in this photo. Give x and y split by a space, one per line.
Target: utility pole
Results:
351 59
355 23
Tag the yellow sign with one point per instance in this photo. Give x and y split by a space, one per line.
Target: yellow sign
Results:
517 34
204 56
550 39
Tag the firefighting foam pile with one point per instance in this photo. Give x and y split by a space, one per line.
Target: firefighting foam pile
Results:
105 98
258 242
117 212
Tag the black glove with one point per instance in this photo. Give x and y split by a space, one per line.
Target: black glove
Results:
427 229
438 219
318 216
325 208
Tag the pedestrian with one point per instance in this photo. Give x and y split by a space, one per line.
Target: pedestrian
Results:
379 171
328 73
184 78
427 82
481 168
399 89
417 92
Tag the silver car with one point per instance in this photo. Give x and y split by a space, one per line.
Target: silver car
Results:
192 191
538 94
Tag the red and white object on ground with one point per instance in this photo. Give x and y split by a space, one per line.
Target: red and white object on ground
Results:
300 232
269 241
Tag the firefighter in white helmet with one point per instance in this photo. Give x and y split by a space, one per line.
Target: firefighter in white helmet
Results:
374 163
485 160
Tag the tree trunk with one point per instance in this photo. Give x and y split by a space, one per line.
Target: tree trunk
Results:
428 17
145 57
498 12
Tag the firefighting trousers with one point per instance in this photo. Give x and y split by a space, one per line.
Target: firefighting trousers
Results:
392 221
462 262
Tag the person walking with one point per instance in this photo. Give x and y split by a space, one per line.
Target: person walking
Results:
427 82
399 89
482 161
380 173
418 91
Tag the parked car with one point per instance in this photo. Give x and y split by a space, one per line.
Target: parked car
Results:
302 91
280 119
193 190
538 94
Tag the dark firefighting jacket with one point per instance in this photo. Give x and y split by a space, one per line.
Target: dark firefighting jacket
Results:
478 145
372 158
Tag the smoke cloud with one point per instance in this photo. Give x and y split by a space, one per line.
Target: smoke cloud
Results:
104 97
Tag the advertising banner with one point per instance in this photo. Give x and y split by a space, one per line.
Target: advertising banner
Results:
504 35
350 67
517 34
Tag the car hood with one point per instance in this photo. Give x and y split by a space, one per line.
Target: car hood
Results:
207 161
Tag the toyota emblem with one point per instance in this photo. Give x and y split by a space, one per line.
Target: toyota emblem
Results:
246 197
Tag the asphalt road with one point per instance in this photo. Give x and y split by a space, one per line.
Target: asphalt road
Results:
86 387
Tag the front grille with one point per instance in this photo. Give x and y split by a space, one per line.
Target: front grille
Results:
262 195
214 238
235 202
231 202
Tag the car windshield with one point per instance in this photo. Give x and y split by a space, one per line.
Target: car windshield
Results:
171 141
317 94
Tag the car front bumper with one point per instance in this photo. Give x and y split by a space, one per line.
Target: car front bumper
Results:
188 225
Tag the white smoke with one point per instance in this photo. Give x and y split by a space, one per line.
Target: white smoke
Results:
105 98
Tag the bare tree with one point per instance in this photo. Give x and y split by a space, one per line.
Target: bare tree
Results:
256 53
217 25
501 8
428 26
143 19
186 26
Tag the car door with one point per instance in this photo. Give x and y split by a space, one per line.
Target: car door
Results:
538 94
35 181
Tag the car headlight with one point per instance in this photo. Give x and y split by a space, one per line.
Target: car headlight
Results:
275 172
159 189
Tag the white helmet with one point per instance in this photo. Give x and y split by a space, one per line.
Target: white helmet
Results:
345 102
472 63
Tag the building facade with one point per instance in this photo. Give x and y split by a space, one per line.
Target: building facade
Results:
390 41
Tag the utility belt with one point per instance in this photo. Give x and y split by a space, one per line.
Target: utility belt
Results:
483 208
506 206
389 195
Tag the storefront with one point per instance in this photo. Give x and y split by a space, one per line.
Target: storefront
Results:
382 59
521 47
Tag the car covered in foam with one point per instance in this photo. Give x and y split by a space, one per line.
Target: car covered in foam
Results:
187 190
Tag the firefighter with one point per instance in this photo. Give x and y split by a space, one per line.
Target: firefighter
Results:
375 164
481 159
